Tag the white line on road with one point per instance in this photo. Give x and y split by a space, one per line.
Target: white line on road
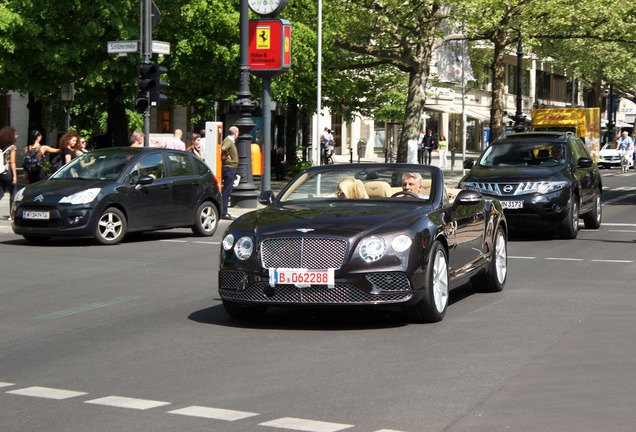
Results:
620 198
612 261
522 257
623 231
305 425
174 241
6 384
213 413
47 393
565 259
619 224
126 402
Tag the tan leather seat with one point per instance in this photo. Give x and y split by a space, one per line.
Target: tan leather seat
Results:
378 189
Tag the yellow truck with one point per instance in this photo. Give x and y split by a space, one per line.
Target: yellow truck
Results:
584 122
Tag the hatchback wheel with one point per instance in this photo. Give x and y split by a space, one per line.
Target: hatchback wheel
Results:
206 220
111 227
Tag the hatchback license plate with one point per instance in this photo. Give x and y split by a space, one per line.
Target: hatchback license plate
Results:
301 277
511 204
30 214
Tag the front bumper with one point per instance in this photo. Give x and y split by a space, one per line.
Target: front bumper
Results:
64 220
538 210
376 288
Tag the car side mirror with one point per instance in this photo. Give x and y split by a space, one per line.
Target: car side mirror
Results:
145 180
585 162
466 196
469 163
267 197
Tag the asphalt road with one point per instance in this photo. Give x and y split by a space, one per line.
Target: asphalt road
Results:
133 338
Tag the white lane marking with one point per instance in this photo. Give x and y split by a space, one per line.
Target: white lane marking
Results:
87 307
305 425
620 198
612 261
207 243
522 257
619 224
47 393
6 384
213 413
565 259
623 231
126 402
388 430
174 241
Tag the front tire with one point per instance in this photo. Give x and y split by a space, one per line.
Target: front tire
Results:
495 277
432 307
111 227
593 219
206 220
570 225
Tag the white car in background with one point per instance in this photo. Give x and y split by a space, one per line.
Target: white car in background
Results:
610 157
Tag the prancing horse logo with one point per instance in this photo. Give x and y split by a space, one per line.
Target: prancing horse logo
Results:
304 230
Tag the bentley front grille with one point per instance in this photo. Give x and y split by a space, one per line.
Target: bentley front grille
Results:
299 252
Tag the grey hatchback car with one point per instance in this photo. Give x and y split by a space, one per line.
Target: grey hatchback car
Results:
542 179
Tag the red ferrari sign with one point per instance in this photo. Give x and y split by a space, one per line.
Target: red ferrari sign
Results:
269 47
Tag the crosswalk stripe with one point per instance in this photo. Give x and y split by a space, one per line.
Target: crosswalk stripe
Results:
305 425
47 393
126 402
213 413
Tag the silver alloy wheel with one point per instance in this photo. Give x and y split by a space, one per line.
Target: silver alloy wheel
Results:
440 281
501 257
110 226
208 218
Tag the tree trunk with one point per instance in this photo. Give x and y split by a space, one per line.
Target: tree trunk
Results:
413 111
117 124
35 117
498 84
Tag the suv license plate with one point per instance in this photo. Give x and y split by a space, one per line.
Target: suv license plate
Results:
511 204
30 214
301 277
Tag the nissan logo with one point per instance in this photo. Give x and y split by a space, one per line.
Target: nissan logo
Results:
508 188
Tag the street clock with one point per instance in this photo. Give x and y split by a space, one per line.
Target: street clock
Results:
267 8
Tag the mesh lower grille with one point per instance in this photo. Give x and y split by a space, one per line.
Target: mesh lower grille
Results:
389 281
312 253
340 294
231 279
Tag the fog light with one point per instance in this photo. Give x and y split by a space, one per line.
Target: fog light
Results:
556 208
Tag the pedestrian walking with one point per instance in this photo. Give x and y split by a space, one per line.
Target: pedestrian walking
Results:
229 165
429 145
137 139
175 142
453 151
8 174
442 148
34 157
420 147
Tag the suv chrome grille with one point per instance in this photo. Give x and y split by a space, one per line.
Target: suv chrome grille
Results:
507 189
299 252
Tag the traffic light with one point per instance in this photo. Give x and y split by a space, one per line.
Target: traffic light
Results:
149 85
156 98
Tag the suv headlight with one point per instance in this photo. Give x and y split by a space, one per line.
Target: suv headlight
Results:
549 187
82 197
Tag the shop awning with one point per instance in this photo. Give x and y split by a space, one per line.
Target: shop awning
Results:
453 109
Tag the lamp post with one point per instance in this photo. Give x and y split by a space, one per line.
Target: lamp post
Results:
519 117
244 194
67 94
611 134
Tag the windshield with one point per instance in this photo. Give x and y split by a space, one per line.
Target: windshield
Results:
96 165
524 153
360 183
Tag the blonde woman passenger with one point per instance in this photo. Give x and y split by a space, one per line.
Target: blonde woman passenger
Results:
351 188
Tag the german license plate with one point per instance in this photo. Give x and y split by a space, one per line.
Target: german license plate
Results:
30 214
301 277
511 204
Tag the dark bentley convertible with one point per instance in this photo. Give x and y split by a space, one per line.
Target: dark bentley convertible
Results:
364 234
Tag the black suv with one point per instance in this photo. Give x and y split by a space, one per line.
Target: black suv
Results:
543 179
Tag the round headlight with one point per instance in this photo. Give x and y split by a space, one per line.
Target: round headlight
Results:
228 242
401 243
244 248
372 249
